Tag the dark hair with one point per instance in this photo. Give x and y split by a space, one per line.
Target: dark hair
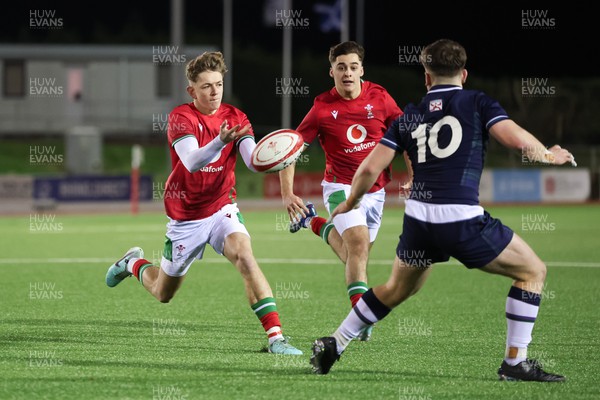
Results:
344 48
207 61
444 57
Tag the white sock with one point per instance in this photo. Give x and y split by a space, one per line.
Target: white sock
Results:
353 325
130 264
521 312
274 334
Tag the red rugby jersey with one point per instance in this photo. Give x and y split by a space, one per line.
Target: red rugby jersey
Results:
349 129
191 196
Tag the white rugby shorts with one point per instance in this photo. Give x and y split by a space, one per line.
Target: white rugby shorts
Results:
368 214
186 240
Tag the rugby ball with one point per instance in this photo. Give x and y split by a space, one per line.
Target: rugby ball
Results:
277 150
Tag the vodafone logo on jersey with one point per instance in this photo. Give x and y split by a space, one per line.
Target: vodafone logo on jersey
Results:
356 134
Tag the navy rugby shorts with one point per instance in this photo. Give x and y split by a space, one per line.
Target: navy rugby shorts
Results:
474 242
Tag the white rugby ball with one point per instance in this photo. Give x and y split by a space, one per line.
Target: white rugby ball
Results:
277 150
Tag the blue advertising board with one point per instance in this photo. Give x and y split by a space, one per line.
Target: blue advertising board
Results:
90 188
517 185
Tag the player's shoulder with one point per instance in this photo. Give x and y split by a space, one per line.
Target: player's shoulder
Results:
479 97
473 93
185 109
326 97
412 108
228 110
373 87
323 103
375 92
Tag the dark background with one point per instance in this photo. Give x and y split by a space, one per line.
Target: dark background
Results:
500 51
492 33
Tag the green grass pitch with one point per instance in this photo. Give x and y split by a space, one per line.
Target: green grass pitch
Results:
65 335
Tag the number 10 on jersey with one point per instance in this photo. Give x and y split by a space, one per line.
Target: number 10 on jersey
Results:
421 135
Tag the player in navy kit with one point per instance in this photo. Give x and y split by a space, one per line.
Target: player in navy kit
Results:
445 137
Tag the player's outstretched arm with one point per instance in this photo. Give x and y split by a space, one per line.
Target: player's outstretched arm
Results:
365 176
246 147
195 158
292 203
513 136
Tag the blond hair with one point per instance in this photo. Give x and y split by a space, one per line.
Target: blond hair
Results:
207 61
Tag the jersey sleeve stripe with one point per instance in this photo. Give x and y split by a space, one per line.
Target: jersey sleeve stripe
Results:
494 120
243 138
181 138
389 143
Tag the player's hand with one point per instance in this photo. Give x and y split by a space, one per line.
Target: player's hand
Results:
228 134
562 156
294 206
405 190
342 208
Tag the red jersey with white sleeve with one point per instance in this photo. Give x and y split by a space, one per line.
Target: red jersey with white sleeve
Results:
192 196
349 129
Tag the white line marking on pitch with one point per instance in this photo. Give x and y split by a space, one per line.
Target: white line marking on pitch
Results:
319 261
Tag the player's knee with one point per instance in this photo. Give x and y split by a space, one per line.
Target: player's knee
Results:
357 248
539 272
356 237
245 261
534 275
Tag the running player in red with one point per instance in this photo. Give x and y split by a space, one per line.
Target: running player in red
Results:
446 137
349 121
200 199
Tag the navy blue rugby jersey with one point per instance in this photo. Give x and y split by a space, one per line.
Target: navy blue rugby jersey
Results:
446 138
